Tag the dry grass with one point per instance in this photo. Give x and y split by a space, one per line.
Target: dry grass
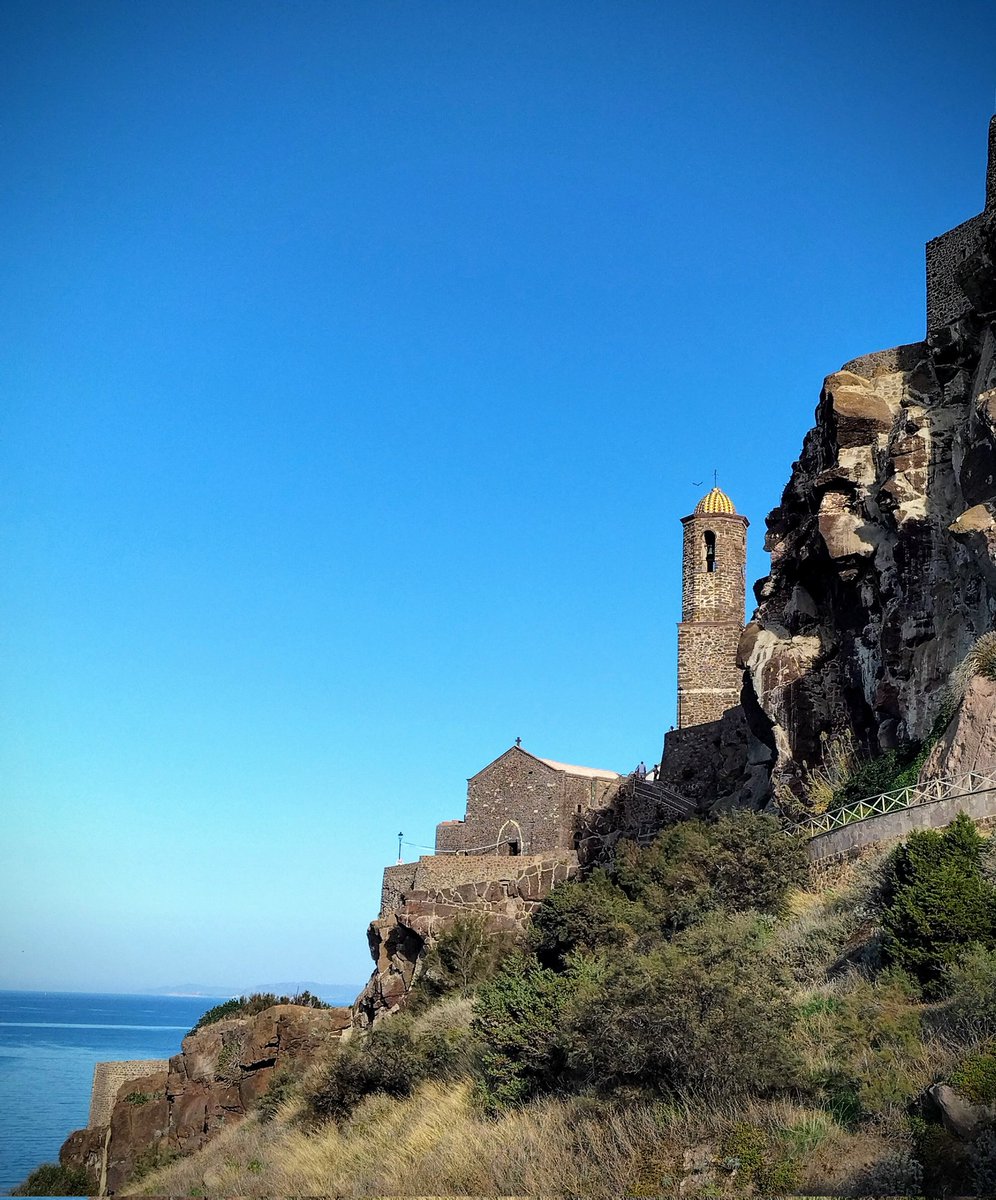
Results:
840 761
435 1144
980 660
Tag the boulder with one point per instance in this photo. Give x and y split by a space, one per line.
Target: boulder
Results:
969 742
959 1116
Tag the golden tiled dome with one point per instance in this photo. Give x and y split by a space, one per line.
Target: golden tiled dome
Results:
715 501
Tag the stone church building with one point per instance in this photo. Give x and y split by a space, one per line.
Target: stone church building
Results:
521 804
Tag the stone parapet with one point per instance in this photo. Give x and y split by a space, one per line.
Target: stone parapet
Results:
397 880
108 1078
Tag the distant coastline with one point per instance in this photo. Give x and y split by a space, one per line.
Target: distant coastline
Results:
331 993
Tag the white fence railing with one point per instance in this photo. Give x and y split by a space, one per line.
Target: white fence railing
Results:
946 788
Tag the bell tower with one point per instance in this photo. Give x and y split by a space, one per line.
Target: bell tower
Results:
713 591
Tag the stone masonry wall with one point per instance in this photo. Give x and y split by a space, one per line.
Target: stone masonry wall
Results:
712 611
709 679
948 255
107 1080
516 798
946 301
397 880
434 877
850 840
451 837
502 888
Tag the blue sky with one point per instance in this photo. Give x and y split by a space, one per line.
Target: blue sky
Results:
358 362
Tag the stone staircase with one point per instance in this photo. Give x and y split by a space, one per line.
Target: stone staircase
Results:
667 798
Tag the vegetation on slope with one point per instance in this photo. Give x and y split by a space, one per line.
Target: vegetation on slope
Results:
691 1013
257 1002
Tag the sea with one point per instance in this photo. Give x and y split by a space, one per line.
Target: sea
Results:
49 1042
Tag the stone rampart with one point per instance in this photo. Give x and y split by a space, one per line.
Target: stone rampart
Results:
505 890
850 840
433 876
397 880
107 1080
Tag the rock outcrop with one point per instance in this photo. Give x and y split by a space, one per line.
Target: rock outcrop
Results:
219 1075
421 899
883 551
969 742
959 1115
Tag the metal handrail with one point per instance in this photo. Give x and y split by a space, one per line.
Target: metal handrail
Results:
947 787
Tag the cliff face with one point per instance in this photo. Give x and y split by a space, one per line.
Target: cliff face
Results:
883 549
220 1074
421 899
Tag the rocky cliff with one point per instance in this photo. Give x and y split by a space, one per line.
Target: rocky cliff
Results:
220 1074
883 549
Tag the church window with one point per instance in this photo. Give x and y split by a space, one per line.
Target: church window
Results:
710 550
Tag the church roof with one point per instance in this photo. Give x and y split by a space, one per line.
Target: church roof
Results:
715 501
567 768
584 772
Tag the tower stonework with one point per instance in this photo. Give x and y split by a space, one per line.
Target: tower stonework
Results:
713 590
960 263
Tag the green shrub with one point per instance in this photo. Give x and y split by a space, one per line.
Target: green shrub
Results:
594 914
282 1087
897 768
873 1036
463 956
519 1018
760 1159
392 1060
881 774
936 902
975 1075
709 1013
52 1179
250 1006
741 862
152 1158
970 982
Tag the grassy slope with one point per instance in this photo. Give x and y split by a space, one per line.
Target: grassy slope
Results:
436 1143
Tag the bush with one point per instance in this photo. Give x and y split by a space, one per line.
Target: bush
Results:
594 915
975 1075
249 1006
519 1019
282 1087
710 1013
463 956
848 778
52 1179
741 862
970 982
936 902
391 1060
873 1035
761 1160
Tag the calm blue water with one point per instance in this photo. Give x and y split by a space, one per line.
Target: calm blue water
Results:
49 1042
